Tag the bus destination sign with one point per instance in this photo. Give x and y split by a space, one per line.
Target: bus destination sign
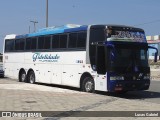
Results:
129 36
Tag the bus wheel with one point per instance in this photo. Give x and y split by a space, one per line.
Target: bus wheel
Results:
22 76
31 77
88 85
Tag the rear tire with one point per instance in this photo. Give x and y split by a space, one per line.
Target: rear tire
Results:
31 77
22 76
88 85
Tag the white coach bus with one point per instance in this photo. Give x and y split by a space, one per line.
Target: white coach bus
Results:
94 57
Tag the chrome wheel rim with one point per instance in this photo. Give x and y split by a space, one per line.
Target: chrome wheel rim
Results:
89 86
31 78
23 77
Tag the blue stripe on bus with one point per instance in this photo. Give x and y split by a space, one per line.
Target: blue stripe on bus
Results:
49 31
45 33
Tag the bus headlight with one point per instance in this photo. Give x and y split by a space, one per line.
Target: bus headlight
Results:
117 78
146 77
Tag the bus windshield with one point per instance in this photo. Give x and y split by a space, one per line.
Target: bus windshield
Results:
130 49
128 60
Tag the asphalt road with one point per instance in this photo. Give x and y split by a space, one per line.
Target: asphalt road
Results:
152 95
19 96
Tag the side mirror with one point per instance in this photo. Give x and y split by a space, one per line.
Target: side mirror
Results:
155 57
156 53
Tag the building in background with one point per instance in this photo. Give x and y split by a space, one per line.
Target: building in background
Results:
155 42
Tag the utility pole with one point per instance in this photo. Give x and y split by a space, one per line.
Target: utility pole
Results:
34 22
46 13
29 29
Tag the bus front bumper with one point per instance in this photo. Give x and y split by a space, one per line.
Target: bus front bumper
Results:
121 85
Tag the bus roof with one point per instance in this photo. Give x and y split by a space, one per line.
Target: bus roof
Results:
64 29
11 36
55 30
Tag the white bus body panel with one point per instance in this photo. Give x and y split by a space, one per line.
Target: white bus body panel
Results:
65 70
13 63
56 74
101 83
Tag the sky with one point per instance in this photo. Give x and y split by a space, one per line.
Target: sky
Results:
17 14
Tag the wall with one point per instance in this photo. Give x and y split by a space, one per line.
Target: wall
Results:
155 42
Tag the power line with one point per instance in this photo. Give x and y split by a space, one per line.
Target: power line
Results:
155 21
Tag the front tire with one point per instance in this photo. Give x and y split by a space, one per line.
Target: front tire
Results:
31 77
88 85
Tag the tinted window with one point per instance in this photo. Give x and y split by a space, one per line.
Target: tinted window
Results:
31 43
44 42
96 34
34 43
63 41
72 40
81 41
9 45
55 41
19 44
47 42
77 40
28 43
41 42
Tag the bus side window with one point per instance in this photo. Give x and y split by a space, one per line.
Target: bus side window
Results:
34 43
77 40
9 45
31 43
47 44
19 44
72 40
63 41
55 42
41 42
28 43
44 42
81 41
